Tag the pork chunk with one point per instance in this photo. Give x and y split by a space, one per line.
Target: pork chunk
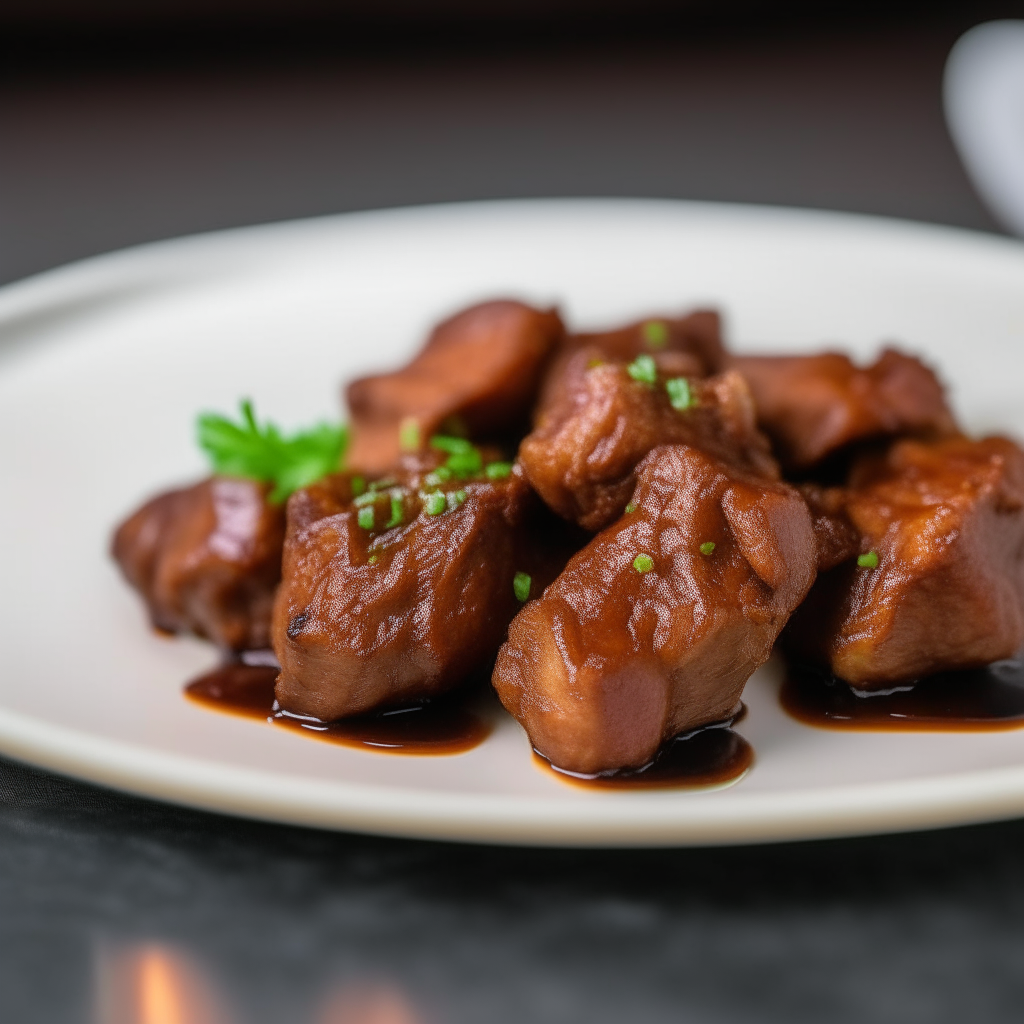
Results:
599 422
699 335
477 376
207 560
655 626
412 607
813 406
945 521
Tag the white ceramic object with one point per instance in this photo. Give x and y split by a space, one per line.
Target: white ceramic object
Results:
984 98
103 366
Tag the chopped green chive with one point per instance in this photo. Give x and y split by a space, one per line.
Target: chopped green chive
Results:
521 585
451 445
358 485
655 333
708 547
643 369
438 477
373 559
679 394
631 507
643 563
463 458
364 499
381 485
397 512
868 560
434 504
498 470
365 517
409 434
455 499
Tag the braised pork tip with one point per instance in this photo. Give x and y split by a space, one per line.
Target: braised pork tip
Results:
600 417
404 592
697 335
837 537
655 626
477 376
207 560
813 406
939 581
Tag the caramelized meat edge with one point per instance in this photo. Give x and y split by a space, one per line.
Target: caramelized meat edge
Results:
477 376
655 626
941 587
814 406
412 607
599 421
207 559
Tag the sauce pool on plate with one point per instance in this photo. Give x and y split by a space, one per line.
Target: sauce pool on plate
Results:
983 699
439 727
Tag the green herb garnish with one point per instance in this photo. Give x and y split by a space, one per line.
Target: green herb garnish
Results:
434 504
382 485
455 499
364 517
464 459
708 547
679 394
358 485
498 470
373 560
593 364
656 333
438 477
397 511
643 563
264 453
643 369
868 560
521 585
409 434
631 507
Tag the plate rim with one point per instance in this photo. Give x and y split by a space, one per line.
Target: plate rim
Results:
934 801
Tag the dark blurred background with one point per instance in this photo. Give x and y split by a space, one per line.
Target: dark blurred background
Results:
123 122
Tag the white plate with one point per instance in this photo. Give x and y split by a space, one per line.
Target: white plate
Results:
103 366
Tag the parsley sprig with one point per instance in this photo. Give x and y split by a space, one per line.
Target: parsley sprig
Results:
263 453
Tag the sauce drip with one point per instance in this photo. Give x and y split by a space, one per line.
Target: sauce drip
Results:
975 700
446 726
712 756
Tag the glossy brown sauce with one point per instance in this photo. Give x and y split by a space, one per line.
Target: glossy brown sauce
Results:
712 756
989 698
449 726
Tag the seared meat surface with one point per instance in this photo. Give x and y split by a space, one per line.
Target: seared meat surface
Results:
403 592
477 376
655 626
698 335
813 406
597 421
838 539
207 560
941 529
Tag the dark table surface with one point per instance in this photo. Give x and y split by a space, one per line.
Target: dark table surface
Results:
117 910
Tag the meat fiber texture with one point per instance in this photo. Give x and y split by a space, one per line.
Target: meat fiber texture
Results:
367 618
207 560
477 376
814 406
596 422
646 635
945 520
